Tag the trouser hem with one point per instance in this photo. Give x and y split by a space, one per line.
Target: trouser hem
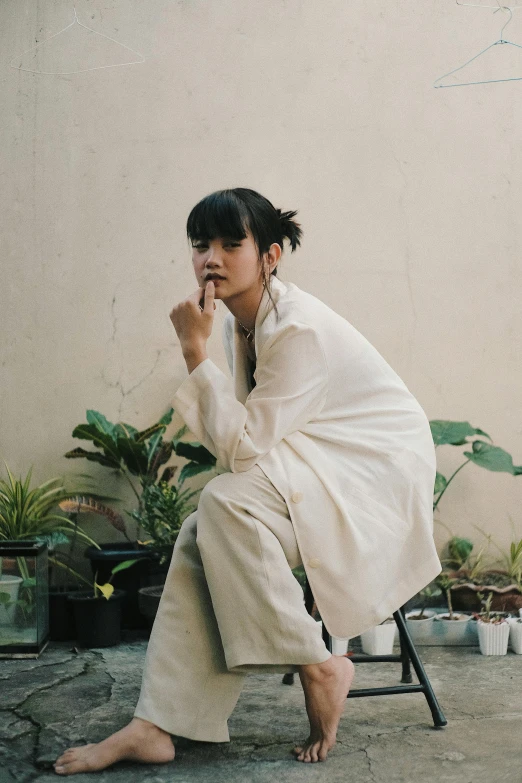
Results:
203 732
263 664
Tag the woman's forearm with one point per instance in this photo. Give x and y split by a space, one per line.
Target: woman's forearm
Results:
194 355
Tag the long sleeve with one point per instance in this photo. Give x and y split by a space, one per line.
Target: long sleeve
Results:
291 387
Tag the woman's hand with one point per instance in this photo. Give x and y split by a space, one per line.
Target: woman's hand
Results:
192 323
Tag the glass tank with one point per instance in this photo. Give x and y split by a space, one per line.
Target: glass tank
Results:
24 599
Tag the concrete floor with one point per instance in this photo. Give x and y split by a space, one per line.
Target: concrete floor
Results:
66 698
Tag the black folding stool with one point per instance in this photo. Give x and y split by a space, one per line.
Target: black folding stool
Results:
408 654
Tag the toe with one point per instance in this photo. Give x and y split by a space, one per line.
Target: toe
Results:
322 754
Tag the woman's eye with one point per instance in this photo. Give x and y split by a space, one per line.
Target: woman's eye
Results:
227 244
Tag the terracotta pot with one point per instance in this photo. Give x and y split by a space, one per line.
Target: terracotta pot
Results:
505 599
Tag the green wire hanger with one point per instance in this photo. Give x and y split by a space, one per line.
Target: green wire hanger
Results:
495 43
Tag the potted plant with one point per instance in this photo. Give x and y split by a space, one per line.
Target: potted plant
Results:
379 639
97 612
515 634
163 509
30 515
419 620
453 624
473 577
140 457
493 629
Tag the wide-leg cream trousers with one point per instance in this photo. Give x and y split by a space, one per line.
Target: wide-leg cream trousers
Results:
230 605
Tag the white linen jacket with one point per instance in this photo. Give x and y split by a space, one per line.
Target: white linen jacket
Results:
341 438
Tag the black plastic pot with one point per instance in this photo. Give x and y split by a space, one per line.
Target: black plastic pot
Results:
97 620
61 614
149 598
130 580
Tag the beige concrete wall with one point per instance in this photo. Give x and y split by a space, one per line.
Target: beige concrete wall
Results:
409 198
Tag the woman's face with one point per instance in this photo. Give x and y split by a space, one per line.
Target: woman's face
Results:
232 264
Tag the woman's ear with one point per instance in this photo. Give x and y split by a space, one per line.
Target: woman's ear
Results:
273 256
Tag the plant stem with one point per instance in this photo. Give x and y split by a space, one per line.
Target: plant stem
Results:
124 472
448 598
448 483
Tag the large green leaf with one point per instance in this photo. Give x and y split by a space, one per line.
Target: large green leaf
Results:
154 442
440 483
179 434
492 458
162 455
100 439
168 473
160 425
194 452
459 550
94 456
122 430
134 455
123 566
167 417
192 469
453 432
100 422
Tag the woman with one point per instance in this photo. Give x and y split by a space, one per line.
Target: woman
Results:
329 463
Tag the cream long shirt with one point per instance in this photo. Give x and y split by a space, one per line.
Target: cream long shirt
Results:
343 440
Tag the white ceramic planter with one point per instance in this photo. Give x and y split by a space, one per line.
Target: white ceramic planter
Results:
339 646
420 630
453 631
9 585
493 638
379 640
515 634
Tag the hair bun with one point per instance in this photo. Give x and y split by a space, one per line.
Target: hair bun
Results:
289 227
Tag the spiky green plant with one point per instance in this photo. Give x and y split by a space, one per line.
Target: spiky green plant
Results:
27 513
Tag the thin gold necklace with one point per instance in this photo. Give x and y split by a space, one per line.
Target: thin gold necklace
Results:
249 333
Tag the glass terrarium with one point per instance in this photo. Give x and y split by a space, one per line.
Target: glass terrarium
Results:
24 599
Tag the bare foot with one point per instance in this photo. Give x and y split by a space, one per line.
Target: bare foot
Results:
326 687
138 741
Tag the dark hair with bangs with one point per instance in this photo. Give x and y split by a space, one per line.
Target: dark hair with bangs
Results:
228 213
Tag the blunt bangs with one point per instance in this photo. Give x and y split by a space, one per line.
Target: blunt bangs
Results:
219 214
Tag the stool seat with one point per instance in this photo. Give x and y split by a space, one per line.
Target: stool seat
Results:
407 655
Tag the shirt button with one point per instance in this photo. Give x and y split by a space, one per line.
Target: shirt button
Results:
296 497
314 562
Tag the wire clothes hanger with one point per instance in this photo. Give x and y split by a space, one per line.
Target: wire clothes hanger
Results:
495 43
84 70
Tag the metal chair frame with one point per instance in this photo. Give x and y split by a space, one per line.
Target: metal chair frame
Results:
407 655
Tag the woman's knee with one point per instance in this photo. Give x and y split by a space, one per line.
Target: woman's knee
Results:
218 491
188 530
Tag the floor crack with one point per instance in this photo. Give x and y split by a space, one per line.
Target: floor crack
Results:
368 759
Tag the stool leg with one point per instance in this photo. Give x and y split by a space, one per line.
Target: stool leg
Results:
327 639
438 716
405 658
